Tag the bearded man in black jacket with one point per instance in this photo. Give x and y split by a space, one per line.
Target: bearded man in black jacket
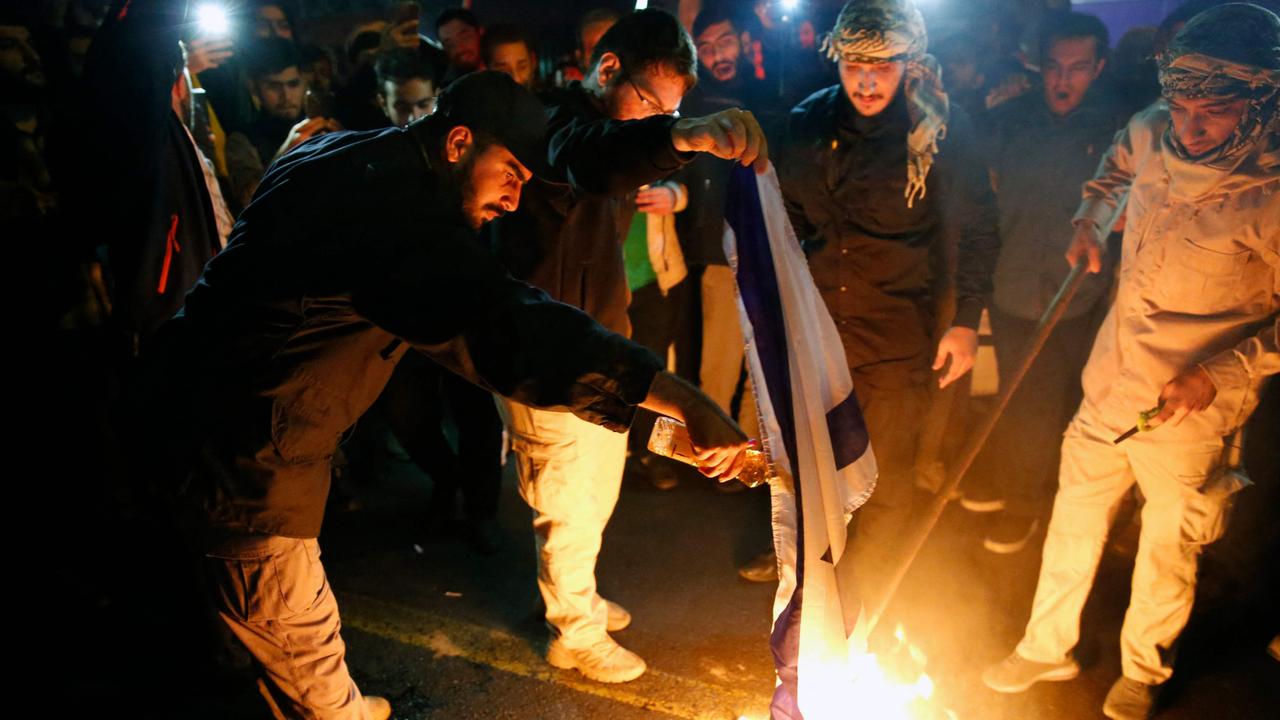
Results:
357 248
884 184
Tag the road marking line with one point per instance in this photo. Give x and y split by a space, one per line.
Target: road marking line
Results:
447 637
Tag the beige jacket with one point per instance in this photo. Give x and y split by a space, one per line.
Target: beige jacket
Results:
1199 279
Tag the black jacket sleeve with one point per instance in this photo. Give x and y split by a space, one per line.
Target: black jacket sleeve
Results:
452 301
608 157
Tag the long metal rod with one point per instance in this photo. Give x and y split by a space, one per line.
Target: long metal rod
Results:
916 540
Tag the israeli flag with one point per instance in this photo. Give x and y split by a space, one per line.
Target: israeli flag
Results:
815 436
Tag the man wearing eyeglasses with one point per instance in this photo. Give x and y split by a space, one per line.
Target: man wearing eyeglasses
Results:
607 136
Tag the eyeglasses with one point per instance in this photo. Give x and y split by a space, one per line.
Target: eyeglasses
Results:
652 104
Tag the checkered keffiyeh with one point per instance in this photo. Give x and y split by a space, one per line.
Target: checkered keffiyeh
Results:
1232 51
870 31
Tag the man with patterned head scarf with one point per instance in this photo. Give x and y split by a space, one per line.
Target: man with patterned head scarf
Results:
1193 332
887 192
889 33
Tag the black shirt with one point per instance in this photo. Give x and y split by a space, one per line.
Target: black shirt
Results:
881 266
1040 162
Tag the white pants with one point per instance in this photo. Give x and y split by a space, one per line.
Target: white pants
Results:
570 472
1184 510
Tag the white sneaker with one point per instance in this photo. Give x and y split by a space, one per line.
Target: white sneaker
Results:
619 618
606 661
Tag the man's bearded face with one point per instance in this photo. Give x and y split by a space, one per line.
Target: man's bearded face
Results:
282 94
490 179
871 86
719 50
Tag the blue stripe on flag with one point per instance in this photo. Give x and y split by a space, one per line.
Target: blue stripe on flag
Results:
758 288
848 430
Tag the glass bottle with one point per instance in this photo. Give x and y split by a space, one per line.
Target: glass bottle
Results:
670 438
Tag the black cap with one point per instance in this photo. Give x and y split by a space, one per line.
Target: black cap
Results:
491 102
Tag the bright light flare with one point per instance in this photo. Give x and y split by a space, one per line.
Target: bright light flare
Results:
212 19
789 6
890 686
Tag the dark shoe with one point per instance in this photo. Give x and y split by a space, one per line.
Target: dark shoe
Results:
484 535
1017 674
763 568
1010 534
441 523
1130 700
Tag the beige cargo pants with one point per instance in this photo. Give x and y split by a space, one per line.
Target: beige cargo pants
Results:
570 473
272 593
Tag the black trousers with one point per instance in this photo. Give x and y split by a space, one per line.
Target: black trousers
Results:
1026 444
894 417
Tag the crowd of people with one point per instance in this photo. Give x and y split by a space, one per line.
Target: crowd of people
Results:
282 304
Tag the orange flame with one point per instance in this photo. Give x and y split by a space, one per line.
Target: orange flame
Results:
891 685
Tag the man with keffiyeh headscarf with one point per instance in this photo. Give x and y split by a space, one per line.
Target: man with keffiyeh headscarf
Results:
1193 330
886 189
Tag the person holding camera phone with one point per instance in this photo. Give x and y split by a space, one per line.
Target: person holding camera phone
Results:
280 91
